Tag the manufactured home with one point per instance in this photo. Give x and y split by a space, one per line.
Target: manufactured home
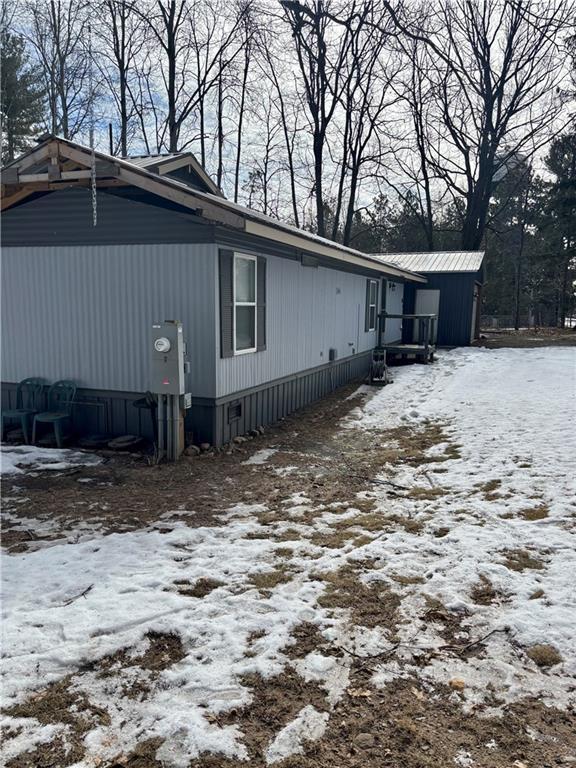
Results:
95 249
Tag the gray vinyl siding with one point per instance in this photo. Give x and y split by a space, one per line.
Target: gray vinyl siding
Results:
308 311
85 312
65 218
455 311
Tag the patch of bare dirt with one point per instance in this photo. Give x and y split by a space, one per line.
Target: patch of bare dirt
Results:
450 621
276 702
407 726
520 560
127 492
58 704
527 337
373 605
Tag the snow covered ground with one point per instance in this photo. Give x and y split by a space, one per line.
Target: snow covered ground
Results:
513 415
494 504
28 458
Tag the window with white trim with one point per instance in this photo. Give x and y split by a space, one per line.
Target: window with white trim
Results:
372 301
245 287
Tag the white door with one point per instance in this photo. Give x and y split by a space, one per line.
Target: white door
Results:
427 303
393 301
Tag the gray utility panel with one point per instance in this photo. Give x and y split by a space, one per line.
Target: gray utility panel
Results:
167 364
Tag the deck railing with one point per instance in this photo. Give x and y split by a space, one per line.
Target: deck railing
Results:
425 345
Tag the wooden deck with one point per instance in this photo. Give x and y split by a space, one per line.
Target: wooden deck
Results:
422 350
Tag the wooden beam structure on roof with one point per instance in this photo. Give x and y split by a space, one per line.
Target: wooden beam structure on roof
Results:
42 153
183 197
14 197
12 193
103 170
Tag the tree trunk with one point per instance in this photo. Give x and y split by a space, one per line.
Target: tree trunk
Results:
173 127
241 120
319 195
350 209
220 117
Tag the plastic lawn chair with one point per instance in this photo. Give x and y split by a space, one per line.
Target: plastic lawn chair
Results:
60 400
28 394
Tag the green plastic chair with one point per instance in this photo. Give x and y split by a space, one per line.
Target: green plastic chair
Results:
28 394
60 400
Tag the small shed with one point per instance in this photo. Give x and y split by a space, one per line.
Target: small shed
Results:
453 292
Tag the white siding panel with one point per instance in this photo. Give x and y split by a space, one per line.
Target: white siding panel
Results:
85 312
309 310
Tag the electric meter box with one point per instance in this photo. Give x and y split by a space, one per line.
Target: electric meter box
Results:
167 363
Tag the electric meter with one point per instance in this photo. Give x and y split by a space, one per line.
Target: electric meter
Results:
162 344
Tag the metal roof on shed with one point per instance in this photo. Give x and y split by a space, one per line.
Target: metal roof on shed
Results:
436 261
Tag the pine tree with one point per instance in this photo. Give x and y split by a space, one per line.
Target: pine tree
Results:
22 96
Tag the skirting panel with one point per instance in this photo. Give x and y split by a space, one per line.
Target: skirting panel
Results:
210 421
99 412
243 412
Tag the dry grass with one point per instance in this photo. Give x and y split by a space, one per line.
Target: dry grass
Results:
373 522
58 704
535 513
483 593
405 445
269 579
290 534
284 552
544 655
520 560
425 494
490 489
406 580
373 605
200 588
409 524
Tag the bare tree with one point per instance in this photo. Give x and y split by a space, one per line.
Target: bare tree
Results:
195 41
412 176
286 110
59 34
248 30
367 101
121 35
323 36
495 70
